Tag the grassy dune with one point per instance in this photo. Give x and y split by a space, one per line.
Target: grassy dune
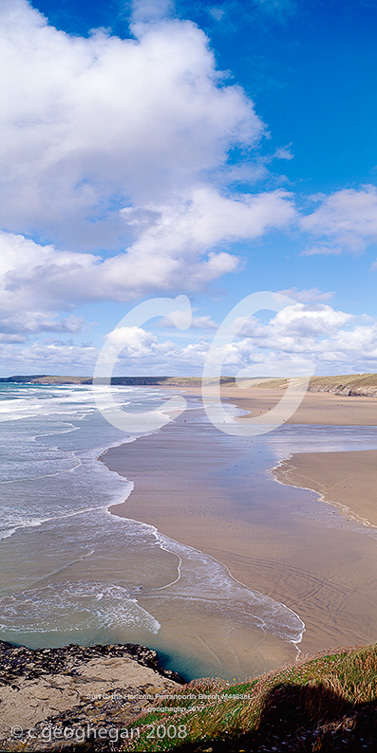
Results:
326 703
359 384
347 384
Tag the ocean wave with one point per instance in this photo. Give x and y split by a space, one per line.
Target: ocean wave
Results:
200 581
74 606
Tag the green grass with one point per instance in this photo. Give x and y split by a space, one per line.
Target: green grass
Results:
325 698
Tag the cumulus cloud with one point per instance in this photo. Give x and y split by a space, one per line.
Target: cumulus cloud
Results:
206 218
138 343
299 332
34 277
173 251
298 328
117 149
307 320
91 124
345 220
336 341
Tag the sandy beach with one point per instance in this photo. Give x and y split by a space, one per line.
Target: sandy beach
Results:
199 489
317 408
347 480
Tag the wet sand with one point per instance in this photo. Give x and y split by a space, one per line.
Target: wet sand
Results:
178 475
199 488
347 480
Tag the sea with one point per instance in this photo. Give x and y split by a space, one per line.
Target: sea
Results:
72 572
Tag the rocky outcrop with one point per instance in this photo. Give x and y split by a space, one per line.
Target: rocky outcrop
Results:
345 390
48 697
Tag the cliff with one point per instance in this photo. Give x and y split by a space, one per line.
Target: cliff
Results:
116 698
68 687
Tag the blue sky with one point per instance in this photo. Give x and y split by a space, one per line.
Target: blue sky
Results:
212 150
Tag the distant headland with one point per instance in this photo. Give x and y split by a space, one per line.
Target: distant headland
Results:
349 384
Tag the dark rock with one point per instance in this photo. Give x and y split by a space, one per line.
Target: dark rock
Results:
19 661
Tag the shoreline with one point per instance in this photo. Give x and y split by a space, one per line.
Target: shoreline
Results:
277 564
290 471
271 650
317 408
336 477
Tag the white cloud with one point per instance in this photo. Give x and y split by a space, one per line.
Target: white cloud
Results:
345 220
299 328
92 123
172 252
49 357
122 145
33 322
60 352
306 320
217 13
143 349
137 343
284 152
297 333
321 250
335 340
6 337
203 322
150 11
205 219
310 295
197 322
35 277
199 221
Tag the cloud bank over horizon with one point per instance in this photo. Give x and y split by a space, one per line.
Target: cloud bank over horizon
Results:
333 340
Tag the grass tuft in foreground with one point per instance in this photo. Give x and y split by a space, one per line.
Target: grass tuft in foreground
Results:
323 704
